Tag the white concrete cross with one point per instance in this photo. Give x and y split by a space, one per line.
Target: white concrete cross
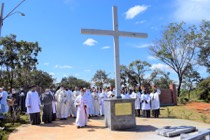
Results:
115 33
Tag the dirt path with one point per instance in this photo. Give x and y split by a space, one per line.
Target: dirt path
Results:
66 130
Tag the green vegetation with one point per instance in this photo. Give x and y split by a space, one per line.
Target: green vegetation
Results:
181 112
10 127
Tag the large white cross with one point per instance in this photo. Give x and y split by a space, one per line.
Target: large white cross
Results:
115 33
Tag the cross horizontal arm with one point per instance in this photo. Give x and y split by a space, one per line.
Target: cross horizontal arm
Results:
113 33
97 32
132 34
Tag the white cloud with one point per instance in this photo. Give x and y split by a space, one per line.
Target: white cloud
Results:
90 42
87 70
46 64
63 67
76 75
161 67
152 58
140 22
134 11
144 45
192 10
105 47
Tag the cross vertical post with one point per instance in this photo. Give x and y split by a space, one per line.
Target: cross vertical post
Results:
115 33
116 53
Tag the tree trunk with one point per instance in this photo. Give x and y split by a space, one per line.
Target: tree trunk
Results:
179 85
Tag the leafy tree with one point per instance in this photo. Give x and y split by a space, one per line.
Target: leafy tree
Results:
72 82
100 78
112 82
177 48
190 79
138 69
17 58
204 45
8 57
161 79
203 90
127 76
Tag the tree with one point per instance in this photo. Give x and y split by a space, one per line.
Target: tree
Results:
203 90
127 76
72 82
17 58
100 78
138 69
190 79
112 82
161 79
9 57
204 45
176 48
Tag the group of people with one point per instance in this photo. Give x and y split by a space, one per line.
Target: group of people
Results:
83 103
145 99
13 101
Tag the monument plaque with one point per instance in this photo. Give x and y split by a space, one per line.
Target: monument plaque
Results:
123 109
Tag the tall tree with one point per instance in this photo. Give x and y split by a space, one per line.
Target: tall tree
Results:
100 78
176 48
191 79
204 44
17 56
138 69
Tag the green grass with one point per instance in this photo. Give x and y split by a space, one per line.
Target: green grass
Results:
181 112
10 127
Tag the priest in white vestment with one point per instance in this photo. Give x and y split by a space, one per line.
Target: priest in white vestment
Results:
155 101
61 98
33 106
81 104
136 95
69 102
75 94
96 105
102 97
145 106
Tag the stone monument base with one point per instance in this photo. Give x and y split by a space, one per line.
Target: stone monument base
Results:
119 113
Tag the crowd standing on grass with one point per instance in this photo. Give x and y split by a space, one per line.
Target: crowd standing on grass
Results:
80 103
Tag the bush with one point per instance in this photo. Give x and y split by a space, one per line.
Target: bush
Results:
203 90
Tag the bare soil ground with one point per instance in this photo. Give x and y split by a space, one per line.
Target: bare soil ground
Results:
200 107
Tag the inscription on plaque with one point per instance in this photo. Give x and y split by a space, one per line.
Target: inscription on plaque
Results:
122 109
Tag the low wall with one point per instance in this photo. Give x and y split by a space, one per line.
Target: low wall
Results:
168 96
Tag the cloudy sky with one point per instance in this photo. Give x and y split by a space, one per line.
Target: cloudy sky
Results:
56 25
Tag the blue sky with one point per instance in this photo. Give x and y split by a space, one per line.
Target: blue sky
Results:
56 25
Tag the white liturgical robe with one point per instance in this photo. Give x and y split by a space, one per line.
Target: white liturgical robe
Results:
155 101
82 117
61 98
145 98
33 102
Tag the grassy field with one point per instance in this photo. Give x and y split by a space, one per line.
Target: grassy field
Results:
182 112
